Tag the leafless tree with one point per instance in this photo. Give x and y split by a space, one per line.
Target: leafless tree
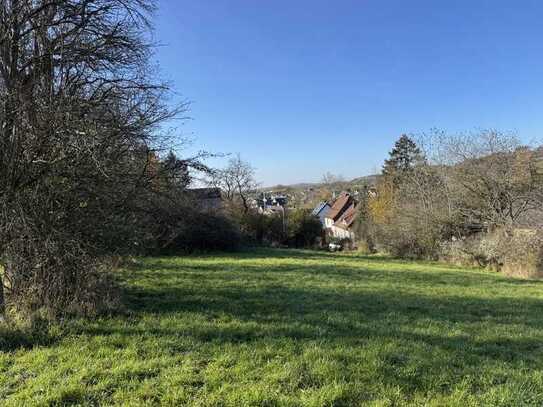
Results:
491 177
79 113
470 183
331 179
236 181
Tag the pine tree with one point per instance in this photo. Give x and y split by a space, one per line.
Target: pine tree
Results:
403 158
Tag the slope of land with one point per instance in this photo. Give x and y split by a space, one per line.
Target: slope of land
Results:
291 328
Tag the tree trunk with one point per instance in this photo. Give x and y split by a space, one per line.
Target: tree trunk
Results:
2 300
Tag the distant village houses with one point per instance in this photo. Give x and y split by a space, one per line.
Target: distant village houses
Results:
269 204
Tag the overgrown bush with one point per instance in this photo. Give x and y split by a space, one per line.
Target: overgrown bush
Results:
516 252
474 251
256 228
203 232
80 118
303 228
457 199
523 254
46 278
293 228
366 246
409 237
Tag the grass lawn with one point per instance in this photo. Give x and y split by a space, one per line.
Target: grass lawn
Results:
291 328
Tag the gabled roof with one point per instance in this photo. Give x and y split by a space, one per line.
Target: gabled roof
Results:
319 208
339 206
346 220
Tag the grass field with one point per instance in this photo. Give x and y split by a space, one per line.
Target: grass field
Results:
291 328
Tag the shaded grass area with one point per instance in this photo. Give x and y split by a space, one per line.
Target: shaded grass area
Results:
284 327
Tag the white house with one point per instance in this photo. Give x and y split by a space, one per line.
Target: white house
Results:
339 220
321 210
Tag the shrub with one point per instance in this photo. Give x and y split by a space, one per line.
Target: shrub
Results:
410 238
204 232
303 228
258 228
516 252
470 252
366 246
78 144
49 278
298 228
523 254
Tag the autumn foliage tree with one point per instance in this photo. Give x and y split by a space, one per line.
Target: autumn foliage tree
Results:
378 222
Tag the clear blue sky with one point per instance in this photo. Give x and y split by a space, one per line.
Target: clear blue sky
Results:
302 87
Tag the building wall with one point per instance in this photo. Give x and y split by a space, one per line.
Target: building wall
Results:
323 213
341 233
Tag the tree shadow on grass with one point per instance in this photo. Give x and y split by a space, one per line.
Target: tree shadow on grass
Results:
297 305
12 338
155 269
265 305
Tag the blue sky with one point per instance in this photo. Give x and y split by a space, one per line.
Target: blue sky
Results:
299 88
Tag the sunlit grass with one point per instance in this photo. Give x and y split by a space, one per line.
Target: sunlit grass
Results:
292 328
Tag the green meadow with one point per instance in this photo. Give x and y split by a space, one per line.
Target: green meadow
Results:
290 328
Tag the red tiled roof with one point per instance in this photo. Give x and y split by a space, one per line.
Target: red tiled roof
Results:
339 206
346 220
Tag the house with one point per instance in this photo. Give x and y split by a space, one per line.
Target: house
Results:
339 220
342 228
338 207
321 210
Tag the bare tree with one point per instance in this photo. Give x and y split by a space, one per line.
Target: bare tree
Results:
79 113
469 183
330 183
491 177
236 181
331 179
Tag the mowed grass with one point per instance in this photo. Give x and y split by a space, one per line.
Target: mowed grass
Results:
292 328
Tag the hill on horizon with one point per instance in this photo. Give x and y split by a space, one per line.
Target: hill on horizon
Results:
364 180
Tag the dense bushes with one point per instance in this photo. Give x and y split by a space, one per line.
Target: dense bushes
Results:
49 279
262 229
405 219
481 250
409 239
204 232
80 119
303 228
293 228
516 252
523 253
